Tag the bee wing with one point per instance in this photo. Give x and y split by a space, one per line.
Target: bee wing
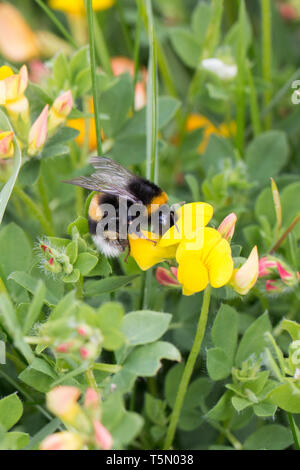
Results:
110 171
96 183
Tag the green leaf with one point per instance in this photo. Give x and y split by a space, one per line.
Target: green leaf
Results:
240 403
200 20
94 288
45 431
39 375
167 107
186 46
110 318
35 307
253 341
30 283
17 253
145 326
129 149
8 187
269 437
145 361
264 409
80 60
116 102
292 327
218 364
61 71
85 263
11 410
225 330
268 152
14 441
222 409
155 410
286 397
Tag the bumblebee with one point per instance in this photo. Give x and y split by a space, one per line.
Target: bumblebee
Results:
120 189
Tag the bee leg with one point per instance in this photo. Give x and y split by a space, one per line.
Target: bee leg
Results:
127 255
148 239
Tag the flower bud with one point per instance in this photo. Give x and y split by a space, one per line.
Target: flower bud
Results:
64 440
102 436
38 132
60 109
62 401
16 102
244 278
6 144
226 228
91 399
166 278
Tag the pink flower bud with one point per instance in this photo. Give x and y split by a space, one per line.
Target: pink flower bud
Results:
283 273
84 353
226 228
166 278
6 144
102 436
288 12
64 347
38 132
64 440
271 286
91 399
62 401
265 266
60 109
244 278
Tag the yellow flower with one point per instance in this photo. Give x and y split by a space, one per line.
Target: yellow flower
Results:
12 88
191 217
62 401
77 6
146 251
6 144
212 264
197 121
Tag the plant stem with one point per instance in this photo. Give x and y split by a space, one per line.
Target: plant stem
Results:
294 431
57 23
137 49
285 234
111 368
266 54
240 88
254 108
188 370
90 378
90 15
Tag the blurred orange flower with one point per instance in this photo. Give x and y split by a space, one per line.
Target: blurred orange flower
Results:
79 124
18 43
198 121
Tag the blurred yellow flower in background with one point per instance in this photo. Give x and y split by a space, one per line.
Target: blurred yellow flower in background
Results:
76 7
79 125
198 121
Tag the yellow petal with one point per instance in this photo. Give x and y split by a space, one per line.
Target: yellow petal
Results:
192 274
77 6
220 264
190 218
5 72
146 251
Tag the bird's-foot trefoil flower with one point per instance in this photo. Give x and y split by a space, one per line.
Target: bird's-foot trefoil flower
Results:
76 7
6 144
15 101
38 133
245 277
64 440
60 110
227 226
280 275
167 277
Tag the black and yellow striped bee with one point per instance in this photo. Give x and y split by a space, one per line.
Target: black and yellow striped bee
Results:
119 188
